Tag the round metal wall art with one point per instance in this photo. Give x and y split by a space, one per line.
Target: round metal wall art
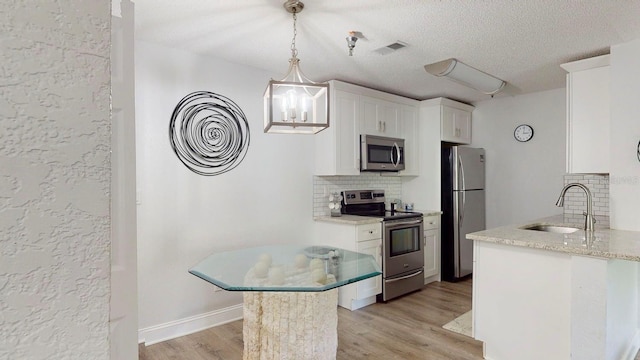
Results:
209 133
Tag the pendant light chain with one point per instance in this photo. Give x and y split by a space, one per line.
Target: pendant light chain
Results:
294 51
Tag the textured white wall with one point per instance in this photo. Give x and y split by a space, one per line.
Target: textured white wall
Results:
182 216
624 182
54 179
523 179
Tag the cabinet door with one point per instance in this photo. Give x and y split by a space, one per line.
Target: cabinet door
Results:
379 117
409 132
371 286
588 121
347 142
337 149
431 253
456 125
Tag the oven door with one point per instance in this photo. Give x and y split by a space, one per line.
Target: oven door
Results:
402 246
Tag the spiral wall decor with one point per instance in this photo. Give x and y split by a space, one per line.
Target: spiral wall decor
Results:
209 133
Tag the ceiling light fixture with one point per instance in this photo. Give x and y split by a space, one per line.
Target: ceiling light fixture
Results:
295 104
351 41
466 75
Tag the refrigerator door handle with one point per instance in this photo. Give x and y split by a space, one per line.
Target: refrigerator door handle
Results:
464 200
464 188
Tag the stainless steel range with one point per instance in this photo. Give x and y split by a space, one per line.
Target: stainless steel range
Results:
402 251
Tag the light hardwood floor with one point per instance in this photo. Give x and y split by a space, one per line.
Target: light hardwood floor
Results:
409 327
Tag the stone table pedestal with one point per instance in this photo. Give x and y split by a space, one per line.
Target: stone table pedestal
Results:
290 325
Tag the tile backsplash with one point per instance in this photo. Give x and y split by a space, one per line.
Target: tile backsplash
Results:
325 185
575 201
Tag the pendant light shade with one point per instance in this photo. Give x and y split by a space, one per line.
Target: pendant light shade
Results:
295 104
466 75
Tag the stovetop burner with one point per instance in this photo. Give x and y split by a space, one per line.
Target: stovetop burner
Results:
371 203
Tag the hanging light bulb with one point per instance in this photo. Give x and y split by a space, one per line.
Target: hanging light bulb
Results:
295 104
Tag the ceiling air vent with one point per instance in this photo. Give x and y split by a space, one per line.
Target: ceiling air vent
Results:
385 50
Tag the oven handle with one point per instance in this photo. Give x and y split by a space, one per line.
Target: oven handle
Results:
404 277
403 223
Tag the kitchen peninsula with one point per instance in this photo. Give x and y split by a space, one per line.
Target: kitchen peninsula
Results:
568 294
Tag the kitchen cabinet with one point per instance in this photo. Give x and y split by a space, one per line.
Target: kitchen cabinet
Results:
409 132
455 125
454 118
372 286
588 115
337 149
380 117
363 238
356 110
431 248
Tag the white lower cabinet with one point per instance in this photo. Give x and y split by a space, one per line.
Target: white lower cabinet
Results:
372 286
366 239
431 245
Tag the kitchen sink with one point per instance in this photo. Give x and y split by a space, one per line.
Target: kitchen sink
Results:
551 228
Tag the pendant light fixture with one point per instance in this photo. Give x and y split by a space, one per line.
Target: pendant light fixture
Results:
295 104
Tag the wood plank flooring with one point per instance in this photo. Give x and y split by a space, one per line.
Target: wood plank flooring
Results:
409 327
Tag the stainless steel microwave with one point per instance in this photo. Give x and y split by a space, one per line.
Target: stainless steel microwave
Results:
379 153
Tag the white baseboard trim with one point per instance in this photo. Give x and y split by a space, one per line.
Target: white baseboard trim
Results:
633 348
173 329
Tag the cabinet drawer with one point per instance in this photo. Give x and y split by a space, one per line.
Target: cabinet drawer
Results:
369 232
431 222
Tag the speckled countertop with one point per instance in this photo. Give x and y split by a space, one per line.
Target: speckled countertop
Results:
603 242
362 220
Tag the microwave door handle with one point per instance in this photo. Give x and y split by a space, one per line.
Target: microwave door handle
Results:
391 155
395 145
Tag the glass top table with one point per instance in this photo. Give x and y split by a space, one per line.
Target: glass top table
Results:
286 268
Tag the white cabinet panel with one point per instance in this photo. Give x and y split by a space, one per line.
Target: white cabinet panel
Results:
409 132
380 117
588 115
371 286
337 149
456 125
431 245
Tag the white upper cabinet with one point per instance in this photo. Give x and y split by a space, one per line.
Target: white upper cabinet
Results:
356 110
456 125
588 115
454 118
410 132
380 117
337 149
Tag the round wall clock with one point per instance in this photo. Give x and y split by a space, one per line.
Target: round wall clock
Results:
523 133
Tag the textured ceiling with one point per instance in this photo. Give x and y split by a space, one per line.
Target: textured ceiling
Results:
520 41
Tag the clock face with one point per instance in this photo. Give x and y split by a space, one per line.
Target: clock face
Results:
523 133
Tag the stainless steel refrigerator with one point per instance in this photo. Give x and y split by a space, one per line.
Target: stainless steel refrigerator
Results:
463 208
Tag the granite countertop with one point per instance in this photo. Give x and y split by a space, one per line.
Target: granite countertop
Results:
603 242
363 220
